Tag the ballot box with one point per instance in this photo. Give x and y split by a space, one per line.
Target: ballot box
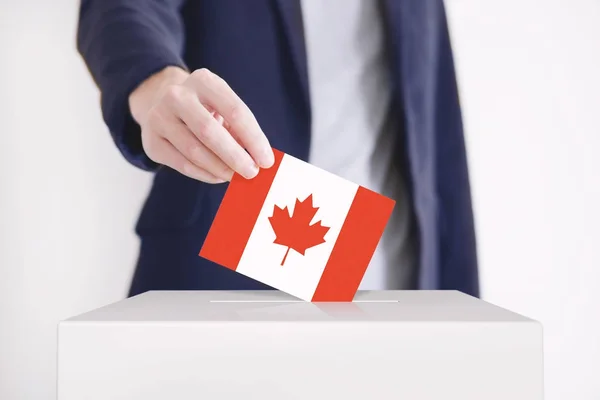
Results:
266 345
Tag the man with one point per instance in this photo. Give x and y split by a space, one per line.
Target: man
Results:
198 90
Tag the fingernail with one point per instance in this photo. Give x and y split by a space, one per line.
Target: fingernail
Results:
226 175
197 154
267 158
251 171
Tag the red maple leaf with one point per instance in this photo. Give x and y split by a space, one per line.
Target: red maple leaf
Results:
295 231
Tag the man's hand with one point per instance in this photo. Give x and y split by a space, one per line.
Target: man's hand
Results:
195 124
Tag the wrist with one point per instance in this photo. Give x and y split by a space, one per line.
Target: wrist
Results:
149 91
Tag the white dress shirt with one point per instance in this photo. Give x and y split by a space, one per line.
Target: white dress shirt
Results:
353 121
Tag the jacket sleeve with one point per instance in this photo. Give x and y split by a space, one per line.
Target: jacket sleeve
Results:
123 42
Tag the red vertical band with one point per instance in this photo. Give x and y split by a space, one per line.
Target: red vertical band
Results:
354 247
237 215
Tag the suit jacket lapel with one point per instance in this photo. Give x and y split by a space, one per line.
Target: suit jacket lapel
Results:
291 16
413 30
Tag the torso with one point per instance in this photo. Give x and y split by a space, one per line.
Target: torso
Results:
353 122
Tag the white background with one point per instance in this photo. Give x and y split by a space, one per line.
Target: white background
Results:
530 83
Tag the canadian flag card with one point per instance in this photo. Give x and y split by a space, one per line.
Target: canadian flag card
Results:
298 229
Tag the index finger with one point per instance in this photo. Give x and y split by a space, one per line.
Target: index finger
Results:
214 92
215 137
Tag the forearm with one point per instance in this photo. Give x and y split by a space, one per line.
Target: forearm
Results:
123 43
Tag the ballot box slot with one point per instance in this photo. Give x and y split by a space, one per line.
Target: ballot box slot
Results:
295 301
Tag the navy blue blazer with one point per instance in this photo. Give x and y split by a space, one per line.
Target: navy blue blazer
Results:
257 47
